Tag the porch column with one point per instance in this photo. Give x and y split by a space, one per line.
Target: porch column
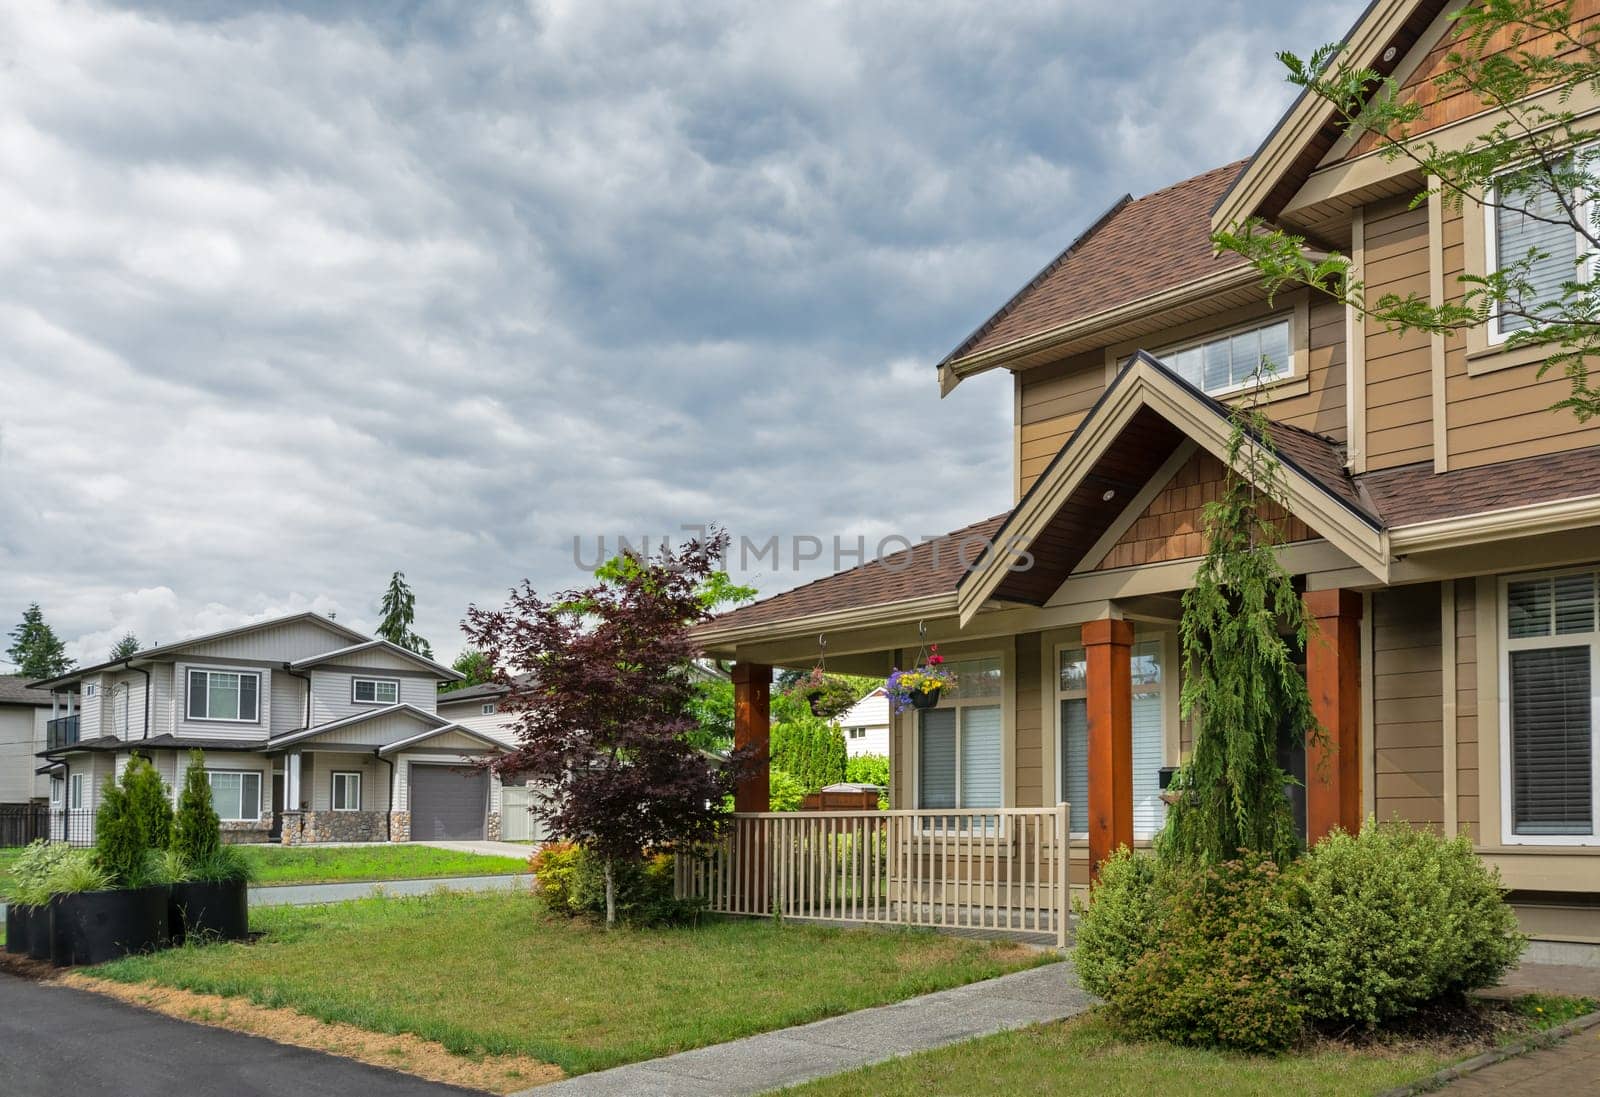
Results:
752 696
1333 676
1107 648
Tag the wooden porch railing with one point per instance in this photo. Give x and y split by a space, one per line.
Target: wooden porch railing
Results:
1000 870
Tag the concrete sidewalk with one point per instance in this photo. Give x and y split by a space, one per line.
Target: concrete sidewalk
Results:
759 1064
297 895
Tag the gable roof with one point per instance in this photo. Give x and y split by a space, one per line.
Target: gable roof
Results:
15 689
479 692
182 645
1138 422
447 673
1309 128
422 716
1135 249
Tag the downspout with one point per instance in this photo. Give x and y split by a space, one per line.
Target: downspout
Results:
127 664
388 816
306 678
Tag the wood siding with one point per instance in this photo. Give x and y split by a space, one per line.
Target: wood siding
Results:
1029 708
1407 704
1467 814
1170 527
1322 407
1399 396
1504 414
1054 399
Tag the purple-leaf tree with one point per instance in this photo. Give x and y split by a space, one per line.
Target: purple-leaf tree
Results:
603 708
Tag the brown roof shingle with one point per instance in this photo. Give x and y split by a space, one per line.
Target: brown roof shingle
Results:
1141 247
14 691
1415 493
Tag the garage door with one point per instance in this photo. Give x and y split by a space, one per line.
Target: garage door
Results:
448 802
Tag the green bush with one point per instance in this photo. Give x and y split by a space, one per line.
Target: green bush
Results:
868 769
196 829
80 870
148 802
1218 973
1121 924
1395 918
572 882
32 870
555 872
784 793
119 841
807 748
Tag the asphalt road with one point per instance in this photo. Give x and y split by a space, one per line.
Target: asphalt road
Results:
57 1041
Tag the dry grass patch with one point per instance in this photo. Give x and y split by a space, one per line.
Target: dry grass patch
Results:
403 1052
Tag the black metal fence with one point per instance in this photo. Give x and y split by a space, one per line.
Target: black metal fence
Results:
24 823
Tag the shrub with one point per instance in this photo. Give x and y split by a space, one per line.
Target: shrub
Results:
196 829
1120 925
31 872
555 870
1218 973
80 870
1396 918
224 865
118 837
148 802
784 793
808 748
868 769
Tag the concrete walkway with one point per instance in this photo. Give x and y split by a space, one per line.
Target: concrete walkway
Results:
298 895
760 1064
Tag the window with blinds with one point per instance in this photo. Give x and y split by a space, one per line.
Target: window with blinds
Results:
1533 225
1228 361
959 750
1552 644
1149 740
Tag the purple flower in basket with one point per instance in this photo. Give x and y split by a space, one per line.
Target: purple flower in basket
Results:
921 686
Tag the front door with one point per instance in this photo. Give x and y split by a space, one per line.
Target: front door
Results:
277 807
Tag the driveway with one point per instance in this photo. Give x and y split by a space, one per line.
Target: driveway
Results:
57 1040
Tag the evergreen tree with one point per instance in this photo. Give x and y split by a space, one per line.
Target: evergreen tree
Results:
148 802
399 610
1241 680
196 830
475 668
35 648
126 647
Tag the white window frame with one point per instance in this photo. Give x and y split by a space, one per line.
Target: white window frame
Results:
75 792
1491 253
1003 700
188 697
490 708
90 689
355 682
211 774
1507 645
58 789
333 789
1291 369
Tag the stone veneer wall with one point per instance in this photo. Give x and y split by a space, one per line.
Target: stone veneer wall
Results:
400 826
304 828
491 830
247 832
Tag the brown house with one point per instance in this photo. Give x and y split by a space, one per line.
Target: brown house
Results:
1444 521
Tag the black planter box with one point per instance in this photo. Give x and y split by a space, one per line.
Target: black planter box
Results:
92 927
22 923
39 932
208 911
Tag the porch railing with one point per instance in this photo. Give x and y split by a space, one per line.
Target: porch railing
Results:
998 870
60 732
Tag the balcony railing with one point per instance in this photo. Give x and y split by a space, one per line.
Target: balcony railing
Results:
61 732
1001 870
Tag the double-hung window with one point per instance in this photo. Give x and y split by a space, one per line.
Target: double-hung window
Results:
1149 736
1530 224
489 708
959 743
56 791
235 795
375 691
75 792
1550 690
347 791
1227 361
224 695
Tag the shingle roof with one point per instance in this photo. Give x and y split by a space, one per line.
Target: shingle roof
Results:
473 693
1138 248
1415 493
14 690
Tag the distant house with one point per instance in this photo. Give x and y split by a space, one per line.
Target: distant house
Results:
24 722
866 725
312 732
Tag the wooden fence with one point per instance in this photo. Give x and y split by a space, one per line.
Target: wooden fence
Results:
1000 869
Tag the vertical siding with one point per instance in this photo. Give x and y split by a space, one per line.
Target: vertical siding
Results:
1408 704
1054 400
1503 415
1322 408
1467 814
1027 756
1399 366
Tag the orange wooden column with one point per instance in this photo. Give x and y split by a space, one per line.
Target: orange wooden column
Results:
1333 676
1107 648
752 726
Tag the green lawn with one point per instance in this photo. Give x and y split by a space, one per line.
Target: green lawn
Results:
492 973
316 865
1084 1058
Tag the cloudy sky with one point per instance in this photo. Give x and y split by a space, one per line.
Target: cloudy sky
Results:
296 294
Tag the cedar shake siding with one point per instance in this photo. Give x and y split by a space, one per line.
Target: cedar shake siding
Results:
1399 380
1407 705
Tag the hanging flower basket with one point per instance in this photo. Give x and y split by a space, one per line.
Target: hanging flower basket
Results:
921 686
813 688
